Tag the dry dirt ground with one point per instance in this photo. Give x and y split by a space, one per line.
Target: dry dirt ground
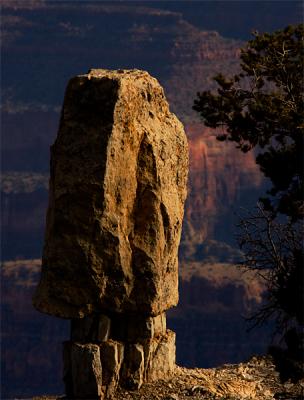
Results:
255 380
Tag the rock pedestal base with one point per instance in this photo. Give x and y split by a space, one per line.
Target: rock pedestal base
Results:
107 351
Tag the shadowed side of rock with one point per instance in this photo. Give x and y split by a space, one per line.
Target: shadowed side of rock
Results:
119 171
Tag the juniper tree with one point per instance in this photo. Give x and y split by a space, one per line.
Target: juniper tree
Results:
261 109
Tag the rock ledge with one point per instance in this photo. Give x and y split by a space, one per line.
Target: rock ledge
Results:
256 379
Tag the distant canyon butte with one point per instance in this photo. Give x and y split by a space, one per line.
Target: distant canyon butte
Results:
43 45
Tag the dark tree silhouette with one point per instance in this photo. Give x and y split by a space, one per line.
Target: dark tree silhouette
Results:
262 109
274 250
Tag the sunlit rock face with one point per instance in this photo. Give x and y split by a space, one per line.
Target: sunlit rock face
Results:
118 182
117 189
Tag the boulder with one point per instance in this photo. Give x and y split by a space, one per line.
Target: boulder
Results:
150 360
83 371
112 355
160 357
117 189
132 376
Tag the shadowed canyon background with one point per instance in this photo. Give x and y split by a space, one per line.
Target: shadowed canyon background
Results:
183 44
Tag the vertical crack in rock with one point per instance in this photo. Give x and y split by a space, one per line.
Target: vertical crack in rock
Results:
118 181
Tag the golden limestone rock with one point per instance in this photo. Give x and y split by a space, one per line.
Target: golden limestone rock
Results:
118 180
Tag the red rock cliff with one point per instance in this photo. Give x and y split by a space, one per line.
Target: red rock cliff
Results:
219 173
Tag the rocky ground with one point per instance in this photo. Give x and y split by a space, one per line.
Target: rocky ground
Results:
256 379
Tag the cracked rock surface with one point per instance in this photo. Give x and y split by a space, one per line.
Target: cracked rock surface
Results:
118 179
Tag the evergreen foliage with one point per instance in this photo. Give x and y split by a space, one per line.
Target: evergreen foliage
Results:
262 109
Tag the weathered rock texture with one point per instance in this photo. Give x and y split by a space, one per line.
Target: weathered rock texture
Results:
256 379
117 191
